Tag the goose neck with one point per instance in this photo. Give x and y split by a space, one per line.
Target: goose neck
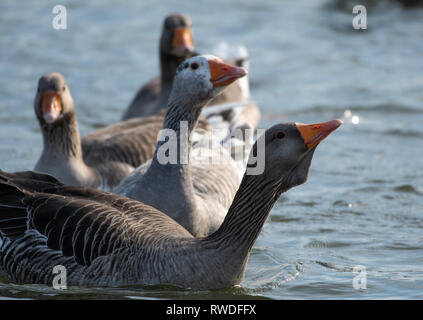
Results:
168 65
247 214
62 139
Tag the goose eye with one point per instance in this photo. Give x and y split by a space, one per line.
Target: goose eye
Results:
238 63
280 135
194 65
64 88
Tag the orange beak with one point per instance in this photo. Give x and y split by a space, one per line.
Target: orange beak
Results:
182 41
316 132
51 106
223 74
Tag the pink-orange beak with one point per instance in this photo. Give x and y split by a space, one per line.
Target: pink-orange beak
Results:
182 41
316 132
51 106
222 74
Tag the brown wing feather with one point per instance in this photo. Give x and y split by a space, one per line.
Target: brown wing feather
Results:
83 223
131 142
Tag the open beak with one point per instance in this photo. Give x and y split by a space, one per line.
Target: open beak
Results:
51 106
223 74
316 132
182 41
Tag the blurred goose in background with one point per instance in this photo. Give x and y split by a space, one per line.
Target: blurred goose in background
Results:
177 45
107 240
101 159
237 95
196 194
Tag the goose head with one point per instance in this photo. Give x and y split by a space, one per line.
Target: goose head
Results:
176 38
201 78
53 101
289 149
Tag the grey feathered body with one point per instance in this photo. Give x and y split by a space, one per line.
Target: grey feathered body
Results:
103 239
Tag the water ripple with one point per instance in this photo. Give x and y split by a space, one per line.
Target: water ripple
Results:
408 188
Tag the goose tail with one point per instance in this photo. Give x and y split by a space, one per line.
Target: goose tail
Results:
30 180
13 214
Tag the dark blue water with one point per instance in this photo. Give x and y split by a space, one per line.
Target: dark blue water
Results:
363 202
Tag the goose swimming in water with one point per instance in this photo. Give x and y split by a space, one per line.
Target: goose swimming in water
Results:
177 45
196 195
102 158
104 239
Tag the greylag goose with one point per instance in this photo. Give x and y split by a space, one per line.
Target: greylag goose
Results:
177 45
102 158
196 195
103 239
